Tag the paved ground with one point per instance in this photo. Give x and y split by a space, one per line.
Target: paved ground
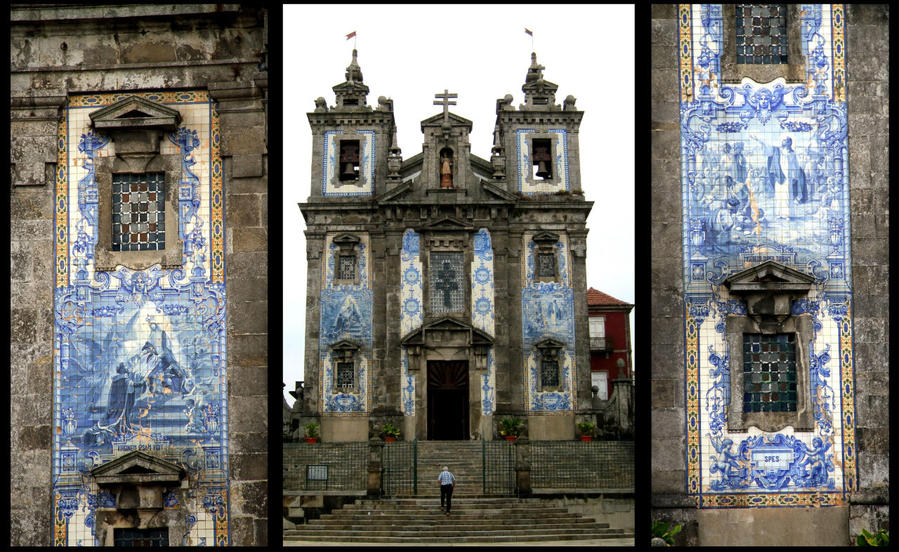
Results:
596 542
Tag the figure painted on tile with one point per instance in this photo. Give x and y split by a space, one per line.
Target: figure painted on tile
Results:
785 177
348 319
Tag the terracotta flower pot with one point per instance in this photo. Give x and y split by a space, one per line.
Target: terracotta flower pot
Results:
586 438
511 437
390 439
310 440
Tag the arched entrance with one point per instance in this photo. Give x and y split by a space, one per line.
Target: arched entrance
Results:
448 400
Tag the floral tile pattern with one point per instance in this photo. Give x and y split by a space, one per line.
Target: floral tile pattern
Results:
765 176
140 355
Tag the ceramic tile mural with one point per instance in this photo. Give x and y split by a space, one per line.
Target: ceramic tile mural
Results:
765 176
547 311
410 309
527 183
331 184
140 355
483 311
346 315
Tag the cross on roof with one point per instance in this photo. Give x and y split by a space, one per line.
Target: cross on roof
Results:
445 97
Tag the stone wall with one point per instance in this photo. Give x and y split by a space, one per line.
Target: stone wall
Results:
59 50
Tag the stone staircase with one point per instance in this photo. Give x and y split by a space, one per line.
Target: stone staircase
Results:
473 520
463 458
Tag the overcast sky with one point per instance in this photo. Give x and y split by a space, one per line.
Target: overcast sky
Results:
409 53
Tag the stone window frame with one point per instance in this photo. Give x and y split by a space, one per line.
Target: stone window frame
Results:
347 245
345 352
551 138
733 72
452 243
769 290
137 143
546 244
549 350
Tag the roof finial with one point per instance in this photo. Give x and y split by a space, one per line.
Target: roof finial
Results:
535 71
353 71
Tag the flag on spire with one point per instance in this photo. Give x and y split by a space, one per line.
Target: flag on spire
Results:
351 35
528 31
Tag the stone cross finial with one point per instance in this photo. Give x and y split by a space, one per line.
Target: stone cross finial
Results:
445 97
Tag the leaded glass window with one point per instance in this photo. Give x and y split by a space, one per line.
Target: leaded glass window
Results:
346 375
761 33
546 265
446 278
549 373
138 212
769 373
347 270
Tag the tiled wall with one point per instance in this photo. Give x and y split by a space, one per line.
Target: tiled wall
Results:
765 176
559 182
140 355
330 183
411 308
483 311
547 311
346 314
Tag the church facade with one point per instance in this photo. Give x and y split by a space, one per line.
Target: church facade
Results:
138 151
446 291
765 425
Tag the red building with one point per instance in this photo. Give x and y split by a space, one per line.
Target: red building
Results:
610 340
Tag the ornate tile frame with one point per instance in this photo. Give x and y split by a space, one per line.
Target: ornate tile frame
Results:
177 304
805 227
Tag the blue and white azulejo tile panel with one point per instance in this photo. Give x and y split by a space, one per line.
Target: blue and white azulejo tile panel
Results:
547 311
346 315
765 176
411 285
140 355
483 310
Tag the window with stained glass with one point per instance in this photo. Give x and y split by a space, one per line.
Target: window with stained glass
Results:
761 33
446 278
138 212
769 373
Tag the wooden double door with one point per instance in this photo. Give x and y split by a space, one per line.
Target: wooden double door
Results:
448 400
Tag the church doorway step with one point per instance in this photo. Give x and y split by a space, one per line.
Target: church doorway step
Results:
448 400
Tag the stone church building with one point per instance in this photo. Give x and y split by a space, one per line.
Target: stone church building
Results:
770 264
446 290
138 237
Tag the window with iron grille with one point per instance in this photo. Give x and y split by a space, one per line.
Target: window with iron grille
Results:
346 375
769 373
761 33
549 373
347 269
138 212
546 265
447 287
130 537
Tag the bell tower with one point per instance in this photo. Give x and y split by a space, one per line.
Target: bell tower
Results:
539 140
350 140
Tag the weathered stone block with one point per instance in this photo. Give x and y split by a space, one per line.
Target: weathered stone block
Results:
243 210
246 165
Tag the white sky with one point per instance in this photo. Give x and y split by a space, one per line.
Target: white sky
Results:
481 52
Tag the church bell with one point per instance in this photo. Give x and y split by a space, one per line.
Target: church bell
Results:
348 171
543 169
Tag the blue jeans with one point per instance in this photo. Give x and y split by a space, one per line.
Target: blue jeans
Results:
446 491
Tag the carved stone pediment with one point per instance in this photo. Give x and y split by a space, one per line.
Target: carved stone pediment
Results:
136 113
498 192
546 238
396 193
138 468
446 331
769 288
447 224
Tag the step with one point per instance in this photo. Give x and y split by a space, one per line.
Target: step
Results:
461 524
441 532
462 539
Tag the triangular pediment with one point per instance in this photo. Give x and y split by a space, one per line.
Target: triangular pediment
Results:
138 467
769 276
548 237
419 336
395 193
136 112
448 223
345 345
549 343
437 120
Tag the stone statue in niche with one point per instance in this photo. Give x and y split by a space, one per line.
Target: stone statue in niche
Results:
446 169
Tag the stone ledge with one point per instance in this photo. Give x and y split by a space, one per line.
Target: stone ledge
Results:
672 501
876 496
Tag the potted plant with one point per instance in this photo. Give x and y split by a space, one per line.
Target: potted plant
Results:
510 428
389 432
586 429
311 431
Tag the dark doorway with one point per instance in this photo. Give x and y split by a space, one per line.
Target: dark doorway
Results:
448 400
